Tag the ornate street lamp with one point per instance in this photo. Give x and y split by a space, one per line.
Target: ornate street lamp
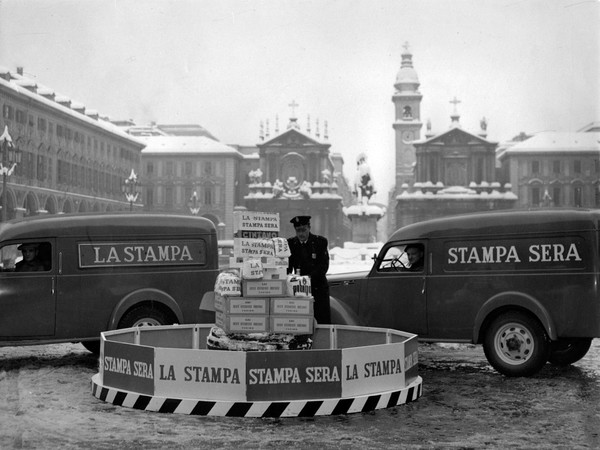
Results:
11 156
194 208
130 189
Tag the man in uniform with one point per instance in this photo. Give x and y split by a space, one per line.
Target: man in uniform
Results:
310 256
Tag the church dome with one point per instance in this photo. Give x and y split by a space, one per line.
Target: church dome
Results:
407 78
407 75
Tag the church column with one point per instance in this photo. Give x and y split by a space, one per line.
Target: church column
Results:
271 174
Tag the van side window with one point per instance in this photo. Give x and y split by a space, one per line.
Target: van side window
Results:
403 258
26 257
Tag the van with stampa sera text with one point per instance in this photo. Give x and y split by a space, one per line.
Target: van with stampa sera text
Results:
66 278
525 284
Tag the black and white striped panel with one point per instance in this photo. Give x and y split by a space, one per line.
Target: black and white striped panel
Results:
295 408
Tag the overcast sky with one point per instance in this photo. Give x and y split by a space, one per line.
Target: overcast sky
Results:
526 65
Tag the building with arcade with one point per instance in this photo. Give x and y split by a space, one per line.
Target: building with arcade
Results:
71 158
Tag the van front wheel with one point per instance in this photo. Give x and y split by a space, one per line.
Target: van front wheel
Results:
516 345
143 317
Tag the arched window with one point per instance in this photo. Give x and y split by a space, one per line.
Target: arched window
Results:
536 192
577 196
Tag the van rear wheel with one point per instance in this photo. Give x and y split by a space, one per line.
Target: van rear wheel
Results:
568 351
516 345
143 316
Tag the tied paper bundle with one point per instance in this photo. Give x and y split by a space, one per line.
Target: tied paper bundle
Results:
282 248
252 269
229 284
247 342
298 286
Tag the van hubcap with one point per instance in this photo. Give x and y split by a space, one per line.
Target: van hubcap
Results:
146 323
514 343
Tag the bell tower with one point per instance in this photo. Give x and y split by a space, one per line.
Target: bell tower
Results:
407 123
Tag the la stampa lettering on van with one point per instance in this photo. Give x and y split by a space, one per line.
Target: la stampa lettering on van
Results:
508 254
94 255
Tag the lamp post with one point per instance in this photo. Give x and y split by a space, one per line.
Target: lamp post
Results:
129 189
194 208
11 156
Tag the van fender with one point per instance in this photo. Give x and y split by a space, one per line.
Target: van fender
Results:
140 296
520 300
208 301
341 314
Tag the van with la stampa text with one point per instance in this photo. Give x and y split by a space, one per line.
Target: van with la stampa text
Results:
525 284
66 278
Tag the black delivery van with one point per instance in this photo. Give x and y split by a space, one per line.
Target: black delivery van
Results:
96 272
525 284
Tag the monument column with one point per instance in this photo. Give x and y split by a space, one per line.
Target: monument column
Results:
364 215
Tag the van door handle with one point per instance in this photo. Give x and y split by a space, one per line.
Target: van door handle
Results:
423 288
53 285
341 283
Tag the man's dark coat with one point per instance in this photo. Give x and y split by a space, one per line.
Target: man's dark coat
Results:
312 258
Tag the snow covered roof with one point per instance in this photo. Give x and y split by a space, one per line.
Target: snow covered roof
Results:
18 82
185 130
558 141
592 126
248 151
458 196
186 145
484 191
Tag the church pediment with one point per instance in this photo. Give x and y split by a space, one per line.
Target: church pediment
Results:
291 137
456 136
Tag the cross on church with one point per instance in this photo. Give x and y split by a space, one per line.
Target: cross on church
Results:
455 102
293 105
406 46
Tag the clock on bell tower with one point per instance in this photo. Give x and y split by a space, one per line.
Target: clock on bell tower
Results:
407 123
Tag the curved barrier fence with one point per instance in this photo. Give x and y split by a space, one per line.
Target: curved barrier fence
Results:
169 369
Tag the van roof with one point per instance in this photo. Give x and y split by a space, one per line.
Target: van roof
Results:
502 223
105 224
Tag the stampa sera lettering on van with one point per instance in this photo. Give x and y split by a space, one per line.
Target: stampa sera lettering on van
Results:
532 254
140 254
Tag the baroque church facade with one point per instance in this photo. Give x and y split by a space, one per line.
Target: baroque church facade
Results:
295 174
439 174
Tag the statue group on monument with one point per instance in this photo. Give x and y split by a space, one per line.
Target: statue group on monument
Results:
363 184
